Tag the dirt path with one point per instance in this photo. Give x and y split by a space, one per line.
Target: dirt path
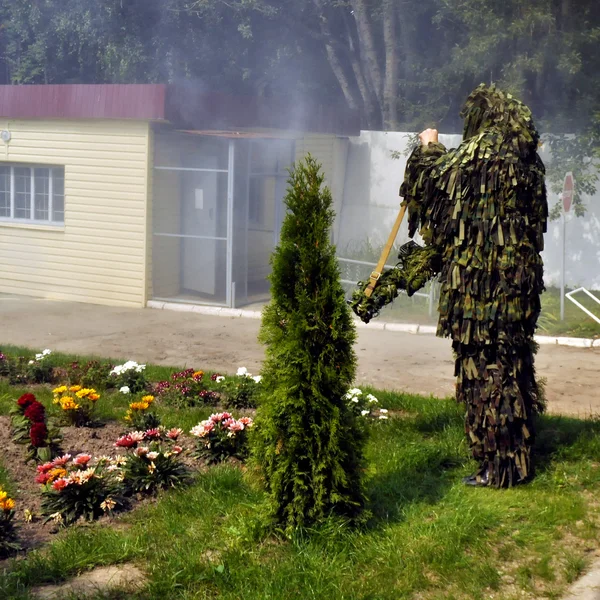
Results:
412 363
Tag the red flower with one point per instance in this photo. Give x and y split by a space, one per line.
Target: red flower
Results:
25 400
35 412
43 478
125 442
60 484
38 434
45 467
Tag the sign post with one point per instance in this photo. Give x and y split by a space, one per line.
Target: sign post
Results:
567 201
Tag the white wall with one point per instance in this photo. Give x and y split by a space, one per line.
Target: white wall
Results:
371 203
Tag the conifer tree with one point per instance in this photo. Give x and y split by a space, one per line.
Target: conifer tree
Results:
308 443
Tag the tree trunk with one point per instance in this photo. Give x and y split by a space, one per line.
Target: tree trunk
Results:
334 60
367 51
390 84
373 117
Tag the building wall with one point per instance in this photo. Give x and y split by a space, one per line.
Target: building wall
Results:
99 255
332 153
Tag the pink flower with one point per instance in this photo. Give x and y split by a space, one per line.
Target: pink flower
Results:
45 467
82 459
247 421
60 484
174 433
236 426
153 455
152 434
177 449
141 451
61 461
137 436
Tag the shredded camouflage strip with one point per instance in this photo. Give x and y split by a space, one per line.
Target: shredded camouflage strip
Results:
483 209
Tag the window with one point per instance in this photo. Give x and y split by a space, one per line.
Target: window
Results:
32 194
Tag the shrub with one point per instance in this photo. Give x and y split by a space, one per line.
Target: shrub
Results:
153 461
30 427
26 371
308 444
129 375
240 391
8 543
4 365
77 403
221 437
92 374
76 489
140 416
185 389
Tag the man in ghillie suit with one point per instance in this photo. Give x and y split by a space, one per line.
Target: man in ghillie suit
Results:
481 210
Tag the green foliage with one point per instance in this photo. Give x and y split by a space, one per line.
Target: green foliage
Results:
240 391
93 373
308 443
8 538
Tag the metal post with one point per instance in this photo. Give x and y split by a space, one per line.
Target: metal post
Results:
229 269
562 267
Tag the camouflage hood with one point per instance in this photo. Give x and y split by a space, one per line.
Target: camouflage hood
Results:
488 107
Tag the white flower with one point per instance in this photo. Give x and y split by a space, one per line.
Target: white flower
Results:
152 455
383 410
257 378
355 400
130 365
364 413
125 390
383 416
31 361
242 372
355 391
220 378
371 398
140 368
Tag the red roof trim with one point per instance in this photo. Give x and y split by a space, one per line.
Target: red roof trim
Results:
79 101
185 106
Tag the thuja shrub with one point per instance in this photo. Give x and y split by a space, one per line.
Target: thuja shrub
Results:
308 442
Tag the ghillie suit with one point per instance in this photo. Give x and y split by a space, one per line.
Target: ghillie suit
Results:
482 212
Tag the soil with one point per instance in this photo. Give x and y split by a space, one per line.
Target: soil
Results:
97 441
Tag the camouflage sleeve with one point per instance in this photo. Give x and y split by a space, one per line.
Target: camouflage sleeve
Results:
419 183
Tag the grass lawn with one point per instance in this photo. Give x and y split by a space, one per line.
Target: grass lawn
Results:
429 537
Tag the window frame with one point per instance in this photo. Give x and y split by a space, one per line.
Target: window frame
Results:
49 222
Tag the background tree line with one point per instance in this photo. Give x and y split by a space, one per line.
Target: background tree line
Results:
403 64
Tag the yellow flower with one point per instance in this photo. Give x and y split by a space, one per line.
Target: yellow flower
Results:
56 473
7 504
67 403
198 374
82 393
74 388
139 406
60 390
148 399
2 495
